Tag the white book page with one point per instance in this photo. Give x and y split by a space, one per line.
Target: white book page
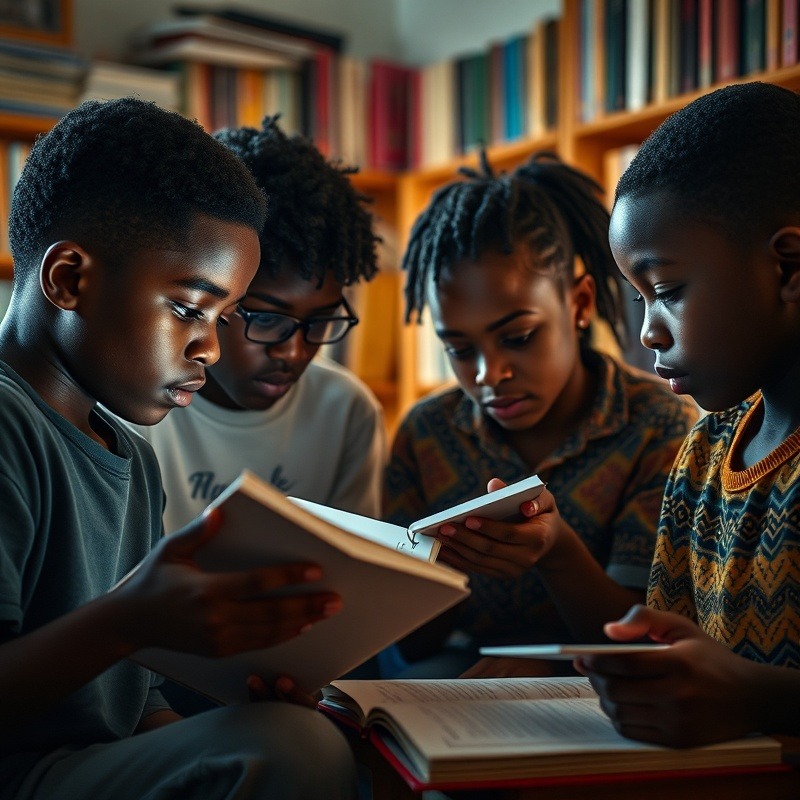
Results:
371 694
375 530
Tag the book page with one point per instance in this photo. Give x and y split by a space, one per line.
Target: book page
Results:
360 697
488 738
394 536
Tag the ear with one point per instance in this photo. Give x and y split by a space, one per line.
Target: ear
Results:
63 273
583 293
785 248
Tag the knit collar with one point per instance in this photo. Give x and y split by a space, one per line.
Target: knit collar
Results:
737 480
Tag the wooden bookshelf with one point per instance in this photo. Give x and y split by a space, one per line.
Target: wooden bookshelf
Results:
391 369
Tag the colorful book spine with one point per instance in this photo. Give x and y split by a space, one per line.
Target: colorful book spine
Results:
789 48
727 40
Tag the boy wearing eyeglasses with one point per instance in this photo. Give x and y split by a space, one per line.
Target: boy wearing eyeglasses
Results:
305 424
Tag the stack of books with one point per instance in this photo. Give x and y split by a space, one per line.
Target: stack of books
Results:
37 79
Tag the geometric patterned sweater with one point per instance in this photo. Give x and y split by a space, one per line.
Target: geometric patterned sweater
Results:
728 546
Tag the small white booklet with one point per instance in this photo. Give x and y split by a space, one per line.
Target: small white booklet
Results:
417 539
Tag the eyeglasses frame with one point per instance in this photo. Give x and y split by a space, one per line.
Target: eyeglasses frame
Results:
299 324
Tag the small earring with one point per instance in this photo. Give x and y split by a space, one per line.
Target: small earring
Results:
583 323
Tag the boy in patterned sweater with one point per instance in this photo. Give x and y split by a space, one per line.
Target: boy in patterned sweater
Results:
706 226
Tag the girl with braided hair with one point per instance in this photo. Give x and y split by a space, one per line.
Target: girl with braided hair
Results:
515 269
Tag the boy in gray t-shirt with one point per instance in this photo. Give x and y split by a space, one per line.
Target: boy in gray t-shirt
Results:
134 236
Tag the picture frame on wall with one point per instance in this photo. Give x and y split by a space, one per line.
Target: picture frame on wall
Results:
42 21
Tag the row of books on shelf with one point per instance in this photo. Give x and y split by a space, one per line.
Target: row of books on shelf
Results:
378 114
47 81
636 52
231 72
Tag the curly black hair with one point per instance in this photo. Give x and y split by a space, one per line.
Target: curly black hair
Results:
316 220
553 208
121 176
731 157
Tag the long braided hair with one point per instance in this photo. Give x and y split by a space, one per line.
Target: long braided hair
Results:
553 208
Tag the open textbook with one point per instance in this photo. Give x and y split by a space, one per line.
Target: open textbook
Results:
385 574
443 732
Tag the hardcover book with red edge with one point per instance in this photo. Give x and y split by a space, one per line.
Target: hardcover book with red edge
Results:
479 733
389 115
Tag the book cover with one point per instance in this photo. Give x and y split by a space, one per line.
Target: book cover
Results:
754 39
772 35
247 18
586 55
497 92
515 98
536 82
488 730
250 95
728 27
688 47
226 54
662 49
789 48
389 115
636 73
215 29
599 64
615 26
705 43
552 28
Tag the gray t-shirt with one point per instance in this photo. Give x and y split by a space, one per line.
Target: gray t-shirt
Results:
74 519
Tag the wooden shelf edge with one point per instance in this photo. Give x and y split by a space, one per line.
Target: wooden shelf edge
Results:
501 152
626 124
26 125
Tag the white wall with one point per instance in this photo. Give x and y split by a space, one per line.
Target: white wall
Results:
432 30
414 31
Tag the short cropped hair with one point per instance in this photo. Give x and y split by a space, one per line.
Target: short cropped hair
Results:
731 156
316 220
121 176
550 207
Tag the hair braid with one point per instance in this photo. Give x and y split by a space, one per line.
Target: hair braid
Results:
552 207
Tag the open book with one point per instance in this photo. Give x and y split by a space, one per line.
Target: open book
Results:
385 575
446 732
417 539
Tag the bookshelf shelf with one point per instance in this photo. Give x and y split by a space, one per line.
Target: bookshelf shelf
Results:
24 126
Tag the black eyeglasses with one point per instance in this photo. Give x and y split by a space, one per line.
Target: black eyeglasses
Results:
270 327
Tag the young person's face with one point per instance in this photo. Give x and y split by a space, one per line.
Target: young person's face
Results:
253 375
712 309
512 335
150 329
